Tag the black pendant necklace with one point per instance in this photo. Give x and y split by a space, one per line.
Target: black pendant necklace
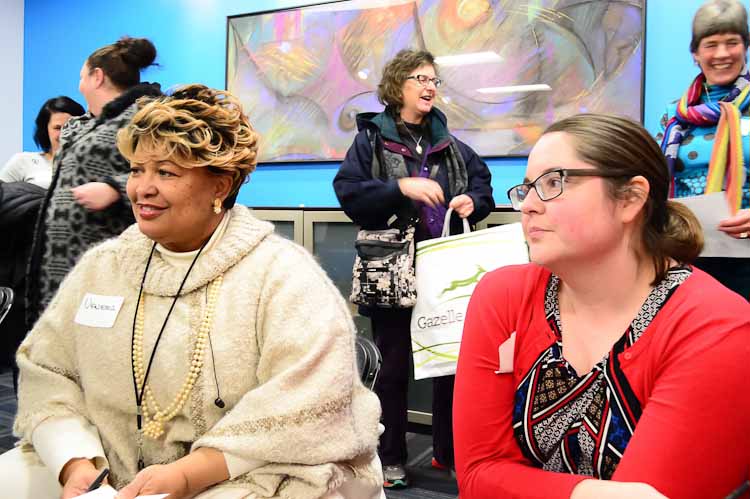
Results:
139 393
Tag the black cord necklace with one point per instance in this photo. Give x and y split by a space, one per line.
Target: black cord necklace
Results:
139 393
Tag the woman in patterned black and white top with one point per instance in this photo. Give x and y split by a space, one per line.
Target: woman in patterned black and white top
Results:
86 202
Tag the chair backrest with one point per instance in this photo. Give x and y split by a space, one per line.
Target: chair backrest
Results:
368 360
6 300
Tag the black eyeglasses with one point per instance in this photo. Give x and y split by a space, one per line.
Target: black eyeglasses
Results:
424 80
550 185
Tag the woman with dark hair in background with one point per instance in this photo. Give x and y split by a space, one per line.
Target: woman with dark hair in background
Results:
705 134
610 367
425 171
86 202
23 182
36 167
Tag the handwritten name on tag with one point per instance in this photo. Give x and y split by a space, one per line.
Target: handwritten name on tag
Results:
745 126
98 310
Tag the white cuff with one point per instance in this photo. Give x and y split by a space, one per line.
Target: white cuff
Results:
238 466
60 439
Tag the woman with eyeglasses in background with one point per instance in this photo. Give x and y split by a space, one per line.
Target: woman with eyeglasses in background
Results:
423 171
609 367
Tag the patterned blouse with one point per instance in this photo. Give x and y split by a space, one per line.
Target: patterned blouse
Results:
582 424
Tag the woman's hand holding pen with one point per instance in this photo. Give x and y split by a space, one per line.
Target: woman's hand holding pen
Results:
77 476
737 226
421 189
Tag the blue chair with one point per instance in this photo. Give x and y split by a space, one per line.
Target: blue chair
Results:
368 360
6 301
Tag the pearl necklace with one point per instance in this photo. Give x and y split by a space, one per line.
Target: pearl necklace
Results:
154 416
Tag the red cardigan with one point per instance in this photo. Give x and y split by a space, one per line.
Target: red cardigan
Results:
688 371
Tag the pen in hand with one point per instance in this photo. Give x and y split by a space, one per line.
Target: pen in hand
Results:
98 482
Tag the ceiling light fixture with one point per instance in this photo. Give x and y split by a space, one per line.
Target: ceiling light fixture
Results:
466 59
539 87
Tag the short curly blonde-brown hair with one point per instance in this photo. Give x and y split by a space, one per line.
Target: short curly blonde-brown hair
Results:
195 126
397 70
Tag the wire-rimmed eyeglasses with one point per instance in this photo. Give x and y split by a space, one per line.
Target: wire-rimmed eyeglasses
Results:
549 185
424 80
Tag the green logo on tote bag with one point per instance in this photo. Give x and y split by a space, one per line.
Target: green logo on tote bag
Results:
462 283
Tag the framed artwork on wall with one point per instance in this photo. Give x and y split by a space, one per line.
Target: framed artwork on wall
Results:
509 67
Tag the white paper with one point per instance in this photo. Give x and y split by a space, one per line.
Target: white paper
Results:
98 310
710 209
107 492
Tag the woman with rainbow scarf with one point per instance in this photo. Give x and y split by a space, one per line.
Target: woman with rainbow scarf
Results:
705 134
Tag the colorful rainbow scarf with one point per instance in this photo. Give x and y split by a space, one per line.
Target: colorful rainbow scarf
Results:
726 170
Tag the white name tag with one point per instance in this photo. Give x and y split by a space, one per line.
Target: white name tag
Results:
99 310
745 126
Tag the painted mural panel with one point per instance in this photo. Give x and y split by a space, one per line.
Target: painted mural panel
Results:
509 67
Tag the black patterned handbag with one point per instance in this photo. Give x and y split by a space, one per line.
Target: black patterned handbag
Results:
383 273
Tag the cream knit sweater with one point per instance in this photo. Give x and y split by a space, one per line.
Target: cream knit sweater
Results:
283 345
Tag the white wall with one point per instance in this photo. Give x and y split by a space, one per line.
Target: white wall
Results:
11 77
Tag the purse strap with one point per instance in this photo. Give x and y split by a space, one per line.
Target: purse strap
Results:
447 224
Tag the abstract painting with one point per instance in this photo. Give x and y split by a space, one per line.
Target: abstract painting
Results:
509 67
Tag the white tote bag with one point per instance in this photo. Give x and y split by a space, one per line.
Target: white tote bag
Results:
447 270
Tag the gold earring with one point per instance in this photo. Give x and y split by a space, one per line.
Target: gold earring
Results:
217 206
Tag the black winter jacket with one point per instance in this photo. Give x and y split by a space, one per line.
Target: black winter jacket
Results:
19 206
370 202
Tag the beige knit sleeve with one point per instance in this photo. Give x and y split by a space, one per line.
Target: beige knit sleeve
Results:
309 410
49 381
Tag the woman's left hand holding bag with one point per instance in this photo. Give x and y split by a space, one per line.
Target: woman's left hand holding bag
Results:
463 205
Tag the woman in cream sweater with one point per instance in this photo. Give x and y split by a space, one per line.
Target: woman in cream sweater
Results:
189 355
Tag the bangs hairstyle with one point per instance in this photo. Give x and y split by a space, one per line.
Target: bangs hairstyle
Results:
717 17
396 72
194 127
61 104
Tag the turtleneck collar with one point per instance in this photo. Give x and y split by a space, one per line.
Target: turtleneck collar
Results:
185 258
714 93
242 235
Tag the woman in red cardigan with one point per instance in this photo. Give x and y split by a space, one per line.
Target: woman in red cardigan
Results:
609 367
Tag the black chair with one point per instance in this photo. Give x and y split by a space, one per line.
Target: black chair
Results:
6 300
368 360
